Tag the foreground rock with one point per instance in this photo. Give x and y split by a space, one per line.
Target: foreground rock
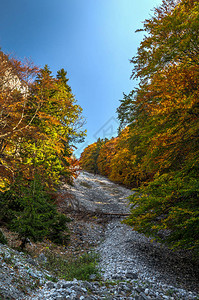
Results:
20 275
123 289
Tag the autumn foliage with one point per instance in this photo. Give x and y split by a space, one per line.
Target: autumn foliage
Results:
39 122
157 149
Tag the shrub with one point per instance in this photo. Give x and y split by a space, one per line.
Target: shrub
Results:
80 268
28 209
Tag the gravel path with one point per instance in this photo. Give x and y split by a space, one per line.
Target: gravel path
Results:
126 254
132 267
96 193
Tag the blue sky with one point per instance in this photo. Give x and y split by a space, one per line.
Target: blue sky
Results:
93 40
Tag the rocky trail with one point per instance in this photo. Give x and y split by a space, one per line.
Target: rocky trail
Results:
131 265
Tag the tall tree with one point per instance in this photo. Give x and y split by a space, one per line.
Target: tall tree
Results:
157 148
61 75
16 112
171 38
89 157
106 154
39 121
166 106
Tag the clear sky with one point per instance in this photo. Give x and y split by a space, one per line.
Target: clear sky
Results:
93 40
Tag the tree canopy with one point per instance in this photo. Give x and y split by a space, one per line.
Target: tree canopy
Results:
39 122
157 149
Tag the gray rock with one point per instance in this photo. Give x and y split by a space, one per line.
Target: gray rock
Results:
33 274
32 261
142 296
67 284
131 275
117 277
50 285
7 255
87 285
92 276
42 258
138 289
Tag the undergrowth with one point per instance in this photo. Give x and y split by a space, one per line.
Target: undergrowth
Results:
80 268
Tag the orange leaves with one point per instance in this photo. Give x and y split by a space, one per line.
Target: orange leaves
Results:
113 159
88 159
106 154
162 113
172 112
175 88
16 114
74 166
159 150
164 131
38 118
122 167
172 37
50 120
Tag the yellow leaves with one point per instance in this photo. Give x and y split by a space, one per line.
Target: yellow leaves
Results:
4 183
170 90
36 126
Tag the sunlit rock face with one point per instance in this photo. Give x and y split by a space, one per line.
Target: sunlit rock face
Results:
8 78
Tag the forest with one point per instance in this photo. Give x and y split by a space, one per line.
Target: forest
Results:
39 123
156 152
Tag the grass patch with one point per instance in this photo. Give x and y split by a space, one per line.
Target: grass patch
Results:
80 268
